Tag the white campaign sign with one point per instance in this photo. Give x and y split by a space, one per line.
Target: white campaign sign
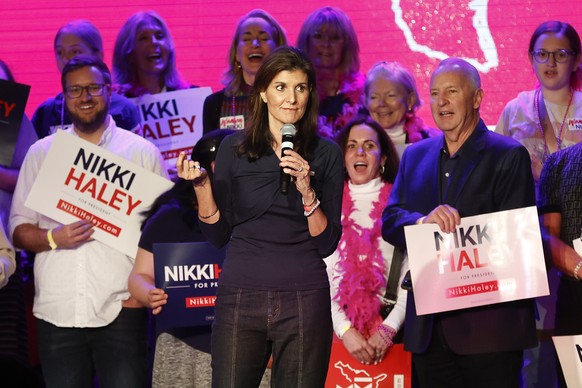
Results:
80 180
172 120
569 349
578 246
491 258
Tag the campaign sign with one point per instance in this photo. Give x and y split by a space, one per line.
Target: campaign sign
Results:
569 349
80 180
490 258
575 124
344 371
189 274
172 120
13 98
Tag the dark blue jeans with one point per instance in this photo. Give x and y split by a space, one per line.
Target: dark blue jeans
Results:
294 326
116 352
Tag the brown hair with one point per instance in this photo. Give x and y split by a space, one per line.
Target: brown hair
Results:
386 146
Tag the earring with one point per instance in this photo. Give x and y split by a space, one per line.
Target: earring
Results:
382 169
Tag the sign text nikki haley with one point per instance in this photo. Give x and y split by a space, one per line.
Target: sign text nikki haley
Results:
80 180
490 258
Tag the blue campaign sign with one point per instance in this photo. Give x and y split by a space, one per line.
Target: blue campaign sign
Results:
189 274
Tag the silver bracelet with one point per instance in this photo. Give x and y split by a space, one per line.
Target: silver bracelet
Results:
576 270
312 202
309 212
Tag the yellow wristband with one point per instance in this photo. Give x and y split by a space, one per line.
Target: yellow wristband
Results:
344 330
51 240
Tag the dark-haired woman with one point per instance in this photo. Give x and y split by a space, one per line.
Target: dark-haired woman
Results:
360 266
544 119
273 293
182 356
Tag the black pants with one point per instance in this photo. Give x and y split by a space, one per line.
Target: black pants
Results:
568 313
440 367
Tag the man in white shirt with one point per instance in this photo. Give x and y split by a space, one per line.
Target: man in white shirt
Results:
86 319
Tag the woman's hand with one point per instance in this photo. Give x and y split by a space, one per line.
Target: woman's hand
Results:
294 165
358 347
191 170
379 345
157 298
381 340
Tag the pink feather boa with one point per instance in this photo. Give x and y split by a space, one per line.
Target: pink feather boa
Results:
361 265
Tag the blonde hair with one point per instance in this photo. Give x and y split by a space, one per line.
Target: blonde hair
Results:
233 76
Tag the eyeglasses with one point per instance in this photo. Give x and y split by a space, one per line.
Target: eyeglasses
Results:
93 90
560 56
322 37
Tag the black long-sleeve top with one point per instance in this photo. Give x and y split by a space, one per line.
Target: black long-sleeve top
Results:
270 245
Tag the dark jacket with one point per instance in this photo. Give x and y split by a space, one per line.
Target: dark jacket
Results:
494 175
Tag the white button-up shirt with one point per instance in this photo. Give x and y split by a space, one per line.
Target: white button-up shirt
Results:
82 287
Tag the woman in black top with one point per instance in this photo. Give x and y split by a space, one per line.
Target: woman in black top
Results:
273 294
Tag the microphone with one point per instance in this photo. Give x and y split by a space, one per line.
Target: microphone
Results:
288 132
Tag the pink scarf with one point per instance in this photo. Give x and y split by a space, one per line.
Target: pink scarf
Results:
361 264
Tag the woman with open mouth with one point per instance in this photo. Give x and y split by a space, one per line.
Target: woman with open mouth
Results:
363 318
144 59
257 34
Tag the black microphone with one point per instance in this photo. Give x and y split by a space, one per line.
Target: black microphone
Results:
288 132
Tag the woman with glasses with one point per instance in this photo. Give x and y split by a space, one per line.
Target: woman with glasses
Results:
256 35
328 37
72 39
541 118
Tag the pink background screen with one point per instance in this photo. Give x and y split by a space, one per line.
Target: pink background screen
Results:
418 33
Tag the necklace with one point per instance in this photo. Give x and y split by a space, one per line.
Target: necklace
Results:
361 264
538 96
